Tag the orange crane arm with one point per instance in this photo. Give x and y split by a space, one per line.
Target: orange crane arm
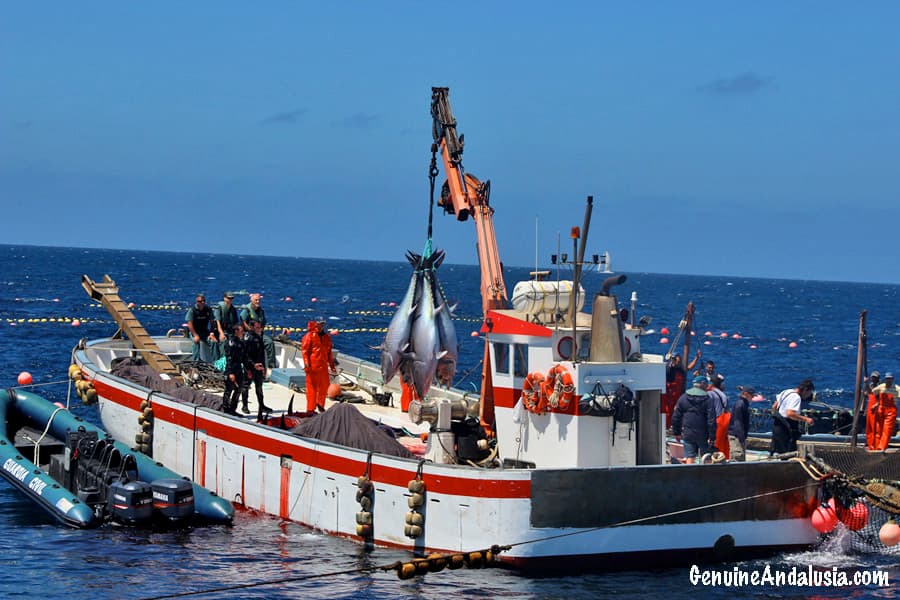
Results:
464 195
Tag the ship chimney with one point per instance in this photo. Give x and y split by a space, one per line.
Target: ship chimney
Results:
607 335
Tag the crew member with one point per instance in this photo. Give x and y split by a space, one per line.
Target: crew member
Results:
317 362
872 412
256 368
226 318
694 418
740 424
719 400
255 312
199 318
235 368
787 418
886 419
675 380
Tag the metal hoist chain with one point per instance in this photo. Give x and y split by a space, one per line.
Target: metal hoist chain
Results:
432 176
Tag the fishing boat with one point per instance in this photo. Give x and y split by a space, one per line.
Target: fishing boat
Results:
559 463
83 478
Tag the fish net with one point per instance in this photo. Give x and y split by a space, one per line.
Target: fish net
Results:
869 478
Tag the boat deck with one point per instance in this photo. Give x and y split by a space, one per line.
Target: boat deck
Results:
281 398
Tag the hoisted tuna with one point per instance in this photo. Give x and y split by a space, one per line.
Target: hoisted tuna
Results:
396 340
421 363
446 367
421 340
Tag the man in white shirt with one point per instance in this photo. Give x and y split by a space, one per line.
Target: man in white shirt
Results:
786 421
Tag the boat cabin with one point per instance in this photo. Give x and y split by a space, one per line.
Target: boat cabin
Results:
590 398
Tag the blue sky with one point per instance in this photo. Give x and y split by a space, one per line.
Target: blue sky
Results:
755 139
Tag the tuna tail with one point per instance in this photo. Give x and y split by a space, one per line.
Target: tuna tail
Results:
432 262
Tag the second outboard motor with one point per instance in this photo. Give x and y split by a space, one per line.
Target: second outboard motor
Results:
173 499
130 502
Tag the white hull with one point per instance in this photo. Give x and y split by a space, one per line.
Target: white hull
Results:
466 508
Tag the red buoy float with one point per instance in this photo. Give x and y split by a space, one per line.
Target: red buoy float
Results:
664 331
855 517
25 378
824 519
334 390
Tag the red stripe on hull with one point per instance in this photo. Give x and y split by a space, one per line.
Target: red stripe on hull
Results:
263 443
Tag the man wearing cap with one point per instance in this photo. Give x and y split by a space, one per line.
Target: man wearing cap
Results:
199 319
317 362
886 419
255 312
694 421
872 412
740 424
787 417
226 316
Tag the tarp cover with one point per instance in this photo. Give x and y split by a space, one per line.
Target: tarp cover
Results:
137 371
345 425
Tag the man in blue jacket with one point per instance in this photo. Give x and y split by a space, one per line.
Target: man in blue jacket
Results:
694 421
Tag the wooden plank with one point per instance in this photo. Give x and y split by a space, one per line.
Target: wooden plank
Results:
107 293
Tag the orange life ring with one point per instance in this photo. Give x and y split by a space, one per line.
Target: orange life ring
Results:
560 387
533 393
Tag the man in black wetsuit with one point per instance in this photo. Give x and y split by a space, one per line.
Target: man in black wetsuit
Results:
235 368
256 367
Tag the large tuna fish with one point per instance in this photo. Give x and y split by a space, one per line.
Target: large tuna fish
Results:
421 342
424 340
396 340
446 367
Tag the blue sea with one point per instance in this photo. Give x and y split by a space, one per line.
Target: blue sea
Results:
767 333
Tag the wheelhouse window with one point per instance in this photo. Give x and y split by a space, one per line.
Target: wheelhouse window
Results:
501 358
520 360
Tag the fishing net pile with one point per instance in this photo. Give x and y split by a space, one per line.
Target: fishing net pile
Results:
137 371
344 425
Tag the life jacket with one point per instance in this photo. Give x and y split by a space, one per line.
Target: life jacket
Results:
227 316
201 318
256 314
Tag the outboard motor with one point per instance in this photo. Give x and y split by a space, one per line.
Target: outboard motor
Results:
130 502
173 499
607 332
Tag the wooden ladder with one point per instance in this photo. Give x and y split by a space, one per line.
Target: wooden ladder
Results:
107 293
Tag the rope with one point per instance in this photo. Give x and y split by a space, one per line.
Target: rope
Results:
34 385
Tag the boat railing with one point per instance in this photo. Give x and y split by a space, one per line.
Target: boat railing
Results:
103 353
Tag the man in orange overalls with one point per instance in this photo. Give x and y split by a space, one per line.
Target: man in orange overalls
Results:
317 362
872 412
887 394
